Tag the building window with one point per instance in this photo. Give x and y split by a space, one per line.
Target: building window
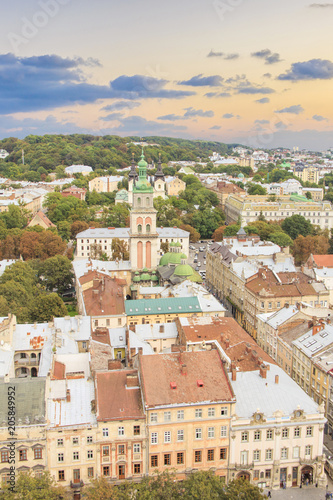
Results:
60 442
105 432
309 431
153 417
4 456
180 435
224 410
180 458
60 457
154 461
211 432
167 436
198 433
210 455
167 416
308 450
121 449
90 472
244 437
269 434
61 475
180 415
296 452
256 455
197 456
257 435
90 454
153 438
121 431
106 470
269 454
75 441
38 453
23 455
211 412
139 228
136 430
256 475
75 455
198 413
136 448
137 468
297 432
167 459
106 451
284 453
223 431
223 453
147 228
285 433
268 473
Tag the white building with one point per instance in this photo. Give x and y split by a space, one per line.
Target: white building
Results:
78 169
3 154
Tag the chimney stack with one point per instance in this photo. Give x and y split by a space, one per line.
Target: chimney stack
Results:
68 396
183 369
263 371
276 379
227 343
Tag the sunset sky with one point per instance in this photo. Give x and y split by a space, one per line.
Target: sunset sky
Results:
257 72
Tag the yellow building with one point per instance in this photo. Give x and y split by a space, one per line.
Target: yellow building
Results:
188 411
174 186
307 174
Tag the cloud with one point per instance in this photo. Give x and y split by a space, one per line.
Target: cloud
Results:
315 69
267 75
217 94
119 105
227 116
49 125
203 81
255 90
262 122
137 125
267 55
111 117
212 53
263 100
191 112
322 5
320 118
172 117
50 81
215 127
281 126
226 57
295 110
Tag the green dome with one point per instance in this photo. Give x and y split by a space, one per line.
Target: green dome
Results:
145 277
183 270
172 244
178 244
136 272
164 260
154 277
136 279
145 270
175 258
240 176
142 162
196 278
183 256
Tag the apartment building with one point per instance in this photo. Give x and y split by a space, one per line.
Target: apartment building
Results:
223 189
251 207
105 184
307 173
188 411
164 310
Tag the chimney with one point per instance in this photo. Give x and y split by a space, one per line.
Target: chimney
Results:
161 328
247 348
263 371
183 369
68 396
317 328
140 351
259 361
132 380
227 343
276 379
233 372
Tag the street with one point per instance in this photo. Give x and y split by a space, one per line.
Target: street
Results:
199 266
305 493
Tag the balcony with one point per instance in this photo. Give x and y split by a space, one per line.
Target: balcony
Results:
78 484
26 362
242 466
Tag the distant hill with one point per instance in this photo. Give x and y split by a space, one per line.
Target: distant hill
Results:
44 153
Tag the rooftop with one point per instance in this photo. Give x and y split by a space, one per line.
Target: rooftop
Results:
29 401
181 305
105 297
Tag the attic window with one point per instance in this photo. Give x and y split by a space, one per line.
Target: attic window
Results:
179 307
197 307
169 308
190 307
159 308
173 385
131 310
200 383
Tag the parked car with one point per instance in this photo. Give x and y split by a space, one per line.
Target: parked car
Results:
204 262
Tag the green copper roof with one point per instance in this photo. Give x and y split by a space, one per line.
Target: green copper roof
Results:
142 162
154 277
172 244
177 244
183 270
142 185
145 277
175 258
145 270
164 260
136 279
172 305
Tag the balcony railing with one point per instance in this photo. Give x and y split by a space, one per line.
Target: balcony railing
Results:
26 362
77 484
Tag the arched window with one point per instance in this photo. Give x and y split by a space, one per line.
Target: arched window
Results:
139 202
147 228
147 201
139 228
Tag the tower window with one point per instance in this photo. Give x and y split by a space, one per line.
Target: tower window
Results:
139 202
147 228
147 201
139 228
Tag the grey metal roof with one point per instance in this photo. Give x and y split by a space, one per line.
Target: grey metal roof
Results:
29 401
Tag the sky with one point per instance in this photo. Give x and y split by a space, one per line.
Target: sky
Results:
255 72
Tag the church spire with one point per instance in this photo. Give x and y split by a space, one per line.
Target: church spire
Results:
159 172
132 174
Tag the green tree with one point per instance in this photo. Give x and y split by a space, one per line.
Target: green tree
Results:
57 273
119 249
77 227
256 189
242 489
204 486
231 230
46 307
162 486
206 221
30 487
308 195
194 234
296 225
16 216
281 239
63 228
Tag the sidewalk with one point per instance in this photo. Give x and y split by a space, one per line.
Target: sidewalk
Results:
304 493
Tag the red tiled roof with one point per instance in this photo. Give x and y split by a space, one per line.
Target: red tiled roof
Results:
44 218
115 401
203 366
105 297
290 284
238 345
59 371
323 260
